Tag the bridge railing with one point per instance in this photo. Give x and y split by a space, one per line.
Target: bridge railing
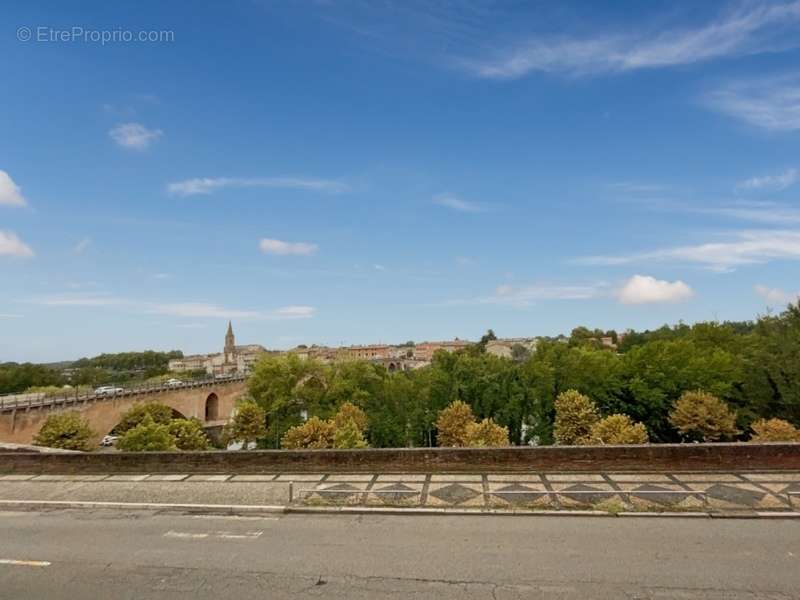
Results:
9 402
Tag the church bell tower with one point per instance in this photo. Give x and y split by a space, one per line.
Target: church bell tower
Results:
230 345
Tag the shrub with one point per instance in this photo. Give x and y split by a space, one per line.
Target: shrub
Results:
158 412
619 429
348 435
314 433
702 416
576 414
774 430
453 424
247 424
188 434
69 431
147 436
487 433
350 412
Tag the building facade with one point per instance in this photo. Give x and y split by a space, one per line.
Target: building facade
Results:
233 359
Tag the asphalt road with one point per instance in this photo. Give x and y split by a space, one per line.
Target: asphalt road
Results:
105 554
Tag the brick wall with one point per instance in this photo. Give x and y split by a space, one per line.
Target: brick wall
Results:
656 457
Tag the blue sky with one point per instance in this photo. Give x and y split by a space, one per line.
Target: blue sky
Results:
353 172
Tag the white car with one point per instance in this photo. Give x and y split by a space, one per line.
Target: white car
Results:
174 382
107 390
109 440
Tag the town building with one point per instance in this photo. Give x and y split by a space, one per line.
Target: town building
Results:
425 350
233 359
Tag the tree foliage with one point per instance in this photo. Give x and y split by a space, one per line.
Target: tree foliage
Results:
487 434
348 435
618 429
246 425
350 412
188 434
774 430
313 434
576 415
148 436
453 424
158 412
702 416
69 431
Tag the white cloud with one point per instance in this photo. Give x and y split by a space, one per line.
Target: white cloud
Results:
379 267
778 182
757 212
94 299
209 185
10 316
10 192
190 310
82 246
295 312
754 29
643 289
776 295
134 136
746 248
11 245
197 310
456 203
524 296
769 103
281 248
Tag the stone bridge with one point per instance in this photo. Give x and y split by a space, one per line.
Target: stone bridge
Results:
210 401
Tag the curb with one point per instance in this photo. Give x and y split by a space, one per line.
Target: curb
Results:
262 509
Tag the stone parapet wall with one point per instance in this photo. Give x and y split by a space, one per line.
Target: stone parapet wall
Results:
645 458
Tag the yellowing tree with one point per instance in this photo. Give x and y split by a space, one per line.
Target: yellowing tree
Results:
69 431
314 433
350 412
702 416
619 429
774 430
576 414
486 433
453 424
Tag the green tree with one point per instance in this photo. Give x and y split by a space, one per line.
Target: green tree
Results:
348 435
702 416
576 415
69 431
147 436
158 412
246 425
188 434
618 429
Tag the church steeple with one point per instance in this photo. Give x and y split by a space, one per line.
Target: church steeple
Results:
230 343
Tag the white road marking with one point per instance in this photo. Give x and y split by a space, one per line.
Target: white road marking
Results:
185 535
227 535
24 563
246 535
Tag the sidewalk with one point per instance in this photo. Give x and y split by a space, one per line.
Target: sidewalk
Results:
613 493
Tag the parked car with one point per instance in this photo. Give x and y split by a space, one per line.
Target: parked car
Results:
107 390
109 440
174 382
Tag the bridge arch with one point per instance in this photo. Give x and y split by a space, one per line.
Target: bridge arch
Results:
212 407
